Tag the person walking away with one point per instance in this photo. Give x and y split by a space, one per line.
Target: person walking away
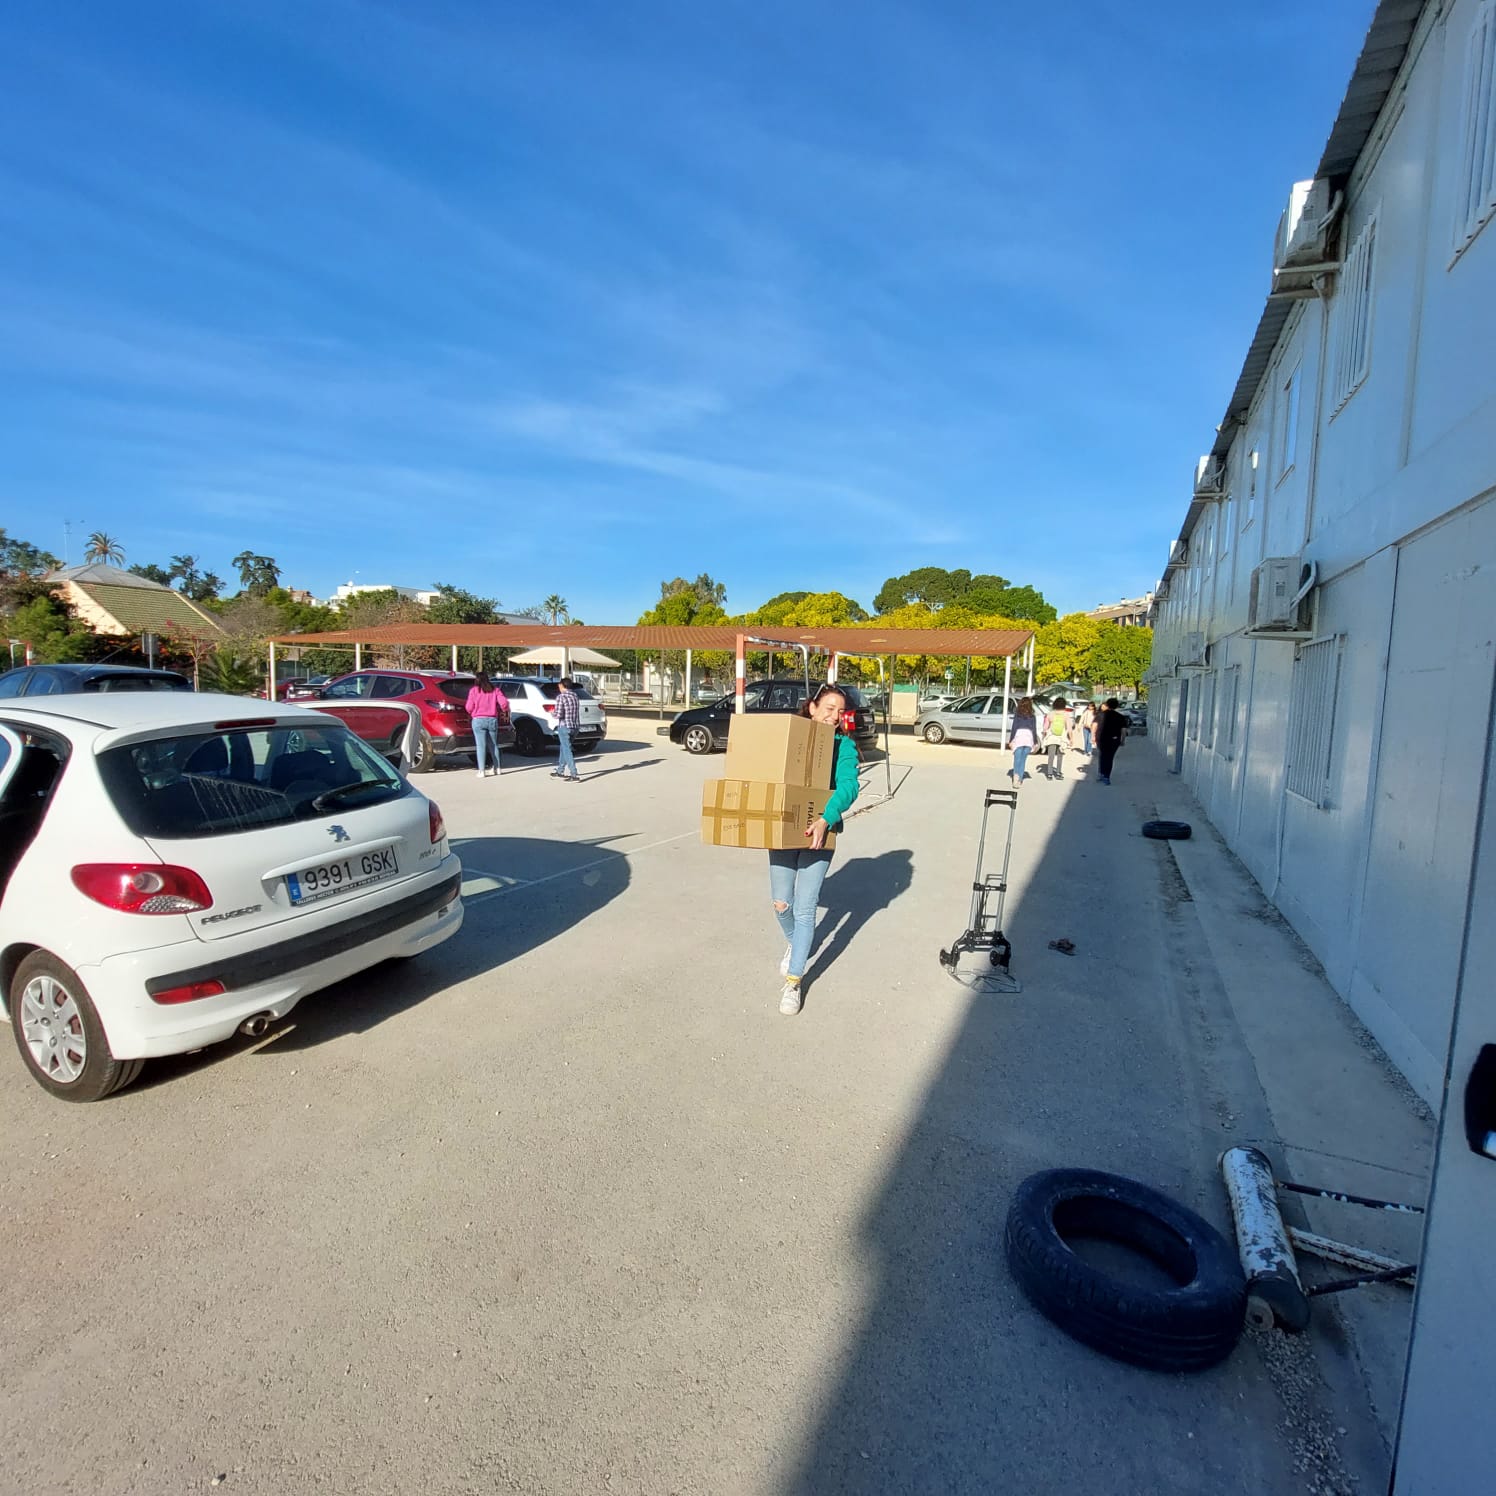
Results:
568 719
1111 733
486 705
796 874
1025 738
1056 735
1074 737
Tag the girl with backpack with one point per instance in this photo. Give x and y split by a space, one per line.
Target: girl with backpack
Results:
1056 736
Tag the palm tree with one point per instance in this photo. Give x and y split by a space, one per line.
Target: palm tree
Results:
106 548
554 607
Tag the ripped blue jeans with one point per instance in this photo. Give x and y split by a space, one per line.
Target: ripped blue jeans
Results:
795 878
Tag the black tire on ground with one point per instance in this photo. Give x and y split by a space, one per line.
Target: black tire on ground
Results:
527 739
697 739
100 1074
934 733
1185 1327
1168 830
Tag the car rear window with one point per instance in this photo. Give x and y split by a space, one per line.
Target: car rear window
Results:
457 688
138 683
218 782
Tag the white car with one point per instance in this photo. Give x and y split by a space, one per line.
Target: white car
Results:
532 708
178 866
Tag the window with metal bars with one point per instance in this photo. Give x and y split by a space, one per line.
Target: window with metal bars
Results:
1351 360
1475 186
1311 718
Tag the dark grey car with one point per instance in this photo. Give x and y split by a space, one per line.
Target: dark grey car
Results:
65 680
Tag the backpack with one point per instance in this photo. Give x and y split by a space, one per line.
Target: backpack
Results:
1055 727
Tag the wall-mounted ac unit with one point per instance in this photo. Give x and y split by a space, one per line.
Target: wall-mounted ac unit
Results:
1279 587
1210 478
1304 228
1191 648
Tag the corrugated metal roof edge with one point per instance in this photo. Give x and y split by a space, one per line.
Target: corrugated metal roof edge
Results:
867 639
1378 64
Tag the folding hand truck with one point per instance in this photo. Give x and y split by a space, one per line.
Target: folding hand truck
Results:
985 932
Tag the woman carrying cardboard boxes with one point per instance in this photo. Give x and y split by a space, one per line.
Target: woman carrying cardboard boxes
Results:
796 874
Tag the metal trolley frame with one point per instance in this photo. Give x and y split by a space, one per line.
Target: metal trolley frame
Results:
989 892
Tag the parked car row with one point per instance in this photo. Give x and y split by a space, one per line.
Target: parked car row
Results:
439 695
446 729
704 729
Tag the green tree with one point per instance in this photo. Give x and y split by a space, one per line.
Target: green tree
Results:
553 609
1062 649
986 592
152 573
1014 602
53 632
456 605
257 574
1121 656
707 589
106 548
23 567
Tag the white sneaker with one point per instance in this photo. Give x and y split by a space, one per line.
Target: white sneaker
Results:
784 964
790 999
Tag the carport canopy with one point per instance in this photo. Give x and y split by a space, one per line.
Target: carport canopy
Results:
868 640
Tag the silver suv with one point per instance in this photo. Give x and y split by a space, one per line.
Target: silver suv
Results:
532 706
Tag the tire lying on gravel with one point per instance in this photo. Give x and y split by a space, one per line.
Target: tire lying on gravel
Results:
1188 1325
1168 830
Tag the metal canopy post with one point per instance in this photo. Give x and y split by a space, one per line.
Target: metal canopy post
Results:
454 659
1007 696
688 678
358 655
270 694
1029 652
740 676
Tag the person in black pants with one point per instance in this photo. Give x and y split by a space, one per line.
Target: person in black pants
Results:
1111 733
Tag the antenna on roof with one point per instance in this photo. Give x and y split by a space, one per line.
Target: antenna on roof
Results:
67 538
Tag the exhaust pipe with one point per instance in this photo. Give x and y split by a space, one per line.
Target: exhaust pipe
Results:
255 1026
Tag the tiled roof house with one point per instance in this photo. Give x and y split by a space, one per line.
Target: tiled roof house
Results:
116 602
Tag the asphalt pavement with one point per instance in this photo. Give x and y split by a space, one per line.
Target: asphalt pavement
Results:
568 1206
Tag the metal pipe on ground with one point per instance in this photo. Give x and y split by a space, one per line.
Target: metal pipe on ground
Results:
1275 1292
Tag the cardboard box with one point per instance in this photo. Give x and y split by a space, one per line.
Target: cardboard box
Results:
777 748
748 813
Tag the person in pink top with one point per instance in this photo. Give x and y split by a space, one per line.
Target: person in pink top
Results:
486 705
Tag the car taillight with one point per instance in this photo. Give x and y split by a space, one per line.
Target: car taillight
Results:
438 826
442 704
142 888
190 993
849 720
550 706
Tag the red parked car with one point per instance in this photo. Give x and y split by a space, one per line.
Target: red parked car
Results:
446 728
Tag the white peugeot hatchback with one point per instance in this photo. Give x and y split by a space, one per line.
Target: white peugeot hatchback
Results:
175 867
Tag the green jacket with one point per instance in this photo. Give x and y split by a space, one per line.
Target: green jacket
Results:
843 783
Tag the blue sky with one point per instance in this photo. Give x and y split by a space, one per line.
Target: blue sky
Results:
573 297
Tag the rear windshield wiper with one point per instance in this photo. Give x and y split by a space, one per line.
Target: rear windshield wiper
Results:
348 791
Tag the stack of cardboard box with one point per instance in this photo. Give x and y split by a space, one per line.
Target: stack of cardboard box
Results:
778 781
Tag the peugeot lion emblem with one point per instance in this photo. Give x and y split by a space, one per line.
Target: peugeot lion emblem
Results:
338 834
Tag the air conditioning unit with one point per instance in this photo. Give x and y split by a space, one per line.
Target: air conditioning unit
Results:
1191 649
1304 228
1210 478
1279 587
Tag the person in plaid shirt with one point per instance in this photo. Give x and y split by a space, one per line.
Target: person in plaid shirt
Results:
568 719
